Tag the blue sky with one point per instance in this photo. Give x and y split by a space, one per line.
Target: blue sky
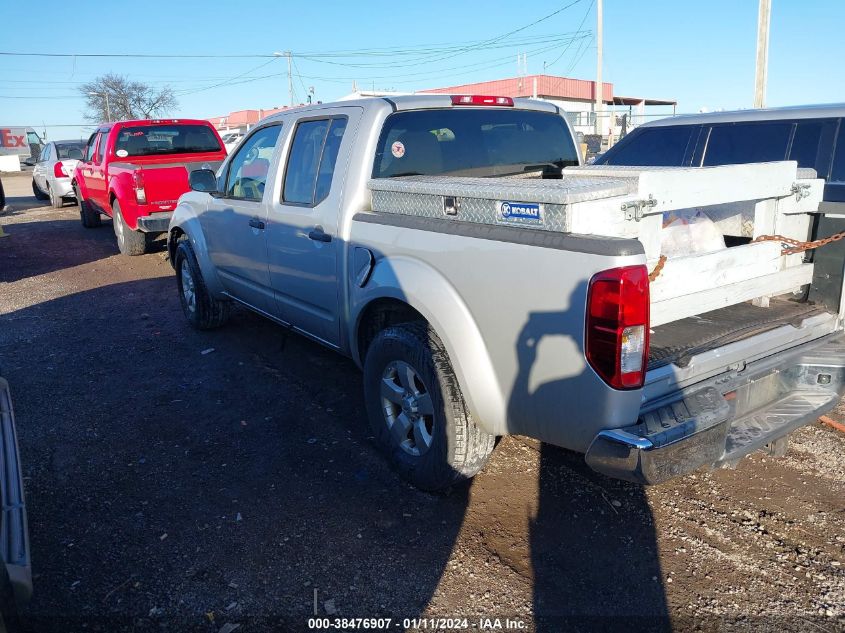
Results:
699 53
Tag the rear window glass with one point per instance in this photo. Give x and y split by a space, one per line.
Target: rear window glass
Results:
747 143
70 150
660 146
150 140
472 142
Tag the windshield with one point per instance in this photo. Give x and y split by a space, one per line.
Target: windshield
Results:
70 151
473 142
150 140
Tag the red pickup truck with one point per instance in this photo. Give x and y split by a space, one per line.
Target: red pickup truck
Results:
135 171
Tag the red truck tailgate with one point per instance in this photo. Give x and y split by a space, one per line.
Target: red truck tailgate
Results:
164 183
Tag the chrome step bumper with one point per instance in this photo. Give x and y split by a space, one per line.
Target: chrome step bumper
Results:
726 418
14 536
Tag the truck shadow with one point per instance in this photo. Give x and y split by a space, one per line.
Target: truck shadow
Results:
174 473
36 248
592 542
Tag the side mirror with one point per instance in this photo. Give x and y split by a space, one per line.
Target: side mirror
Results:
29 162
203 180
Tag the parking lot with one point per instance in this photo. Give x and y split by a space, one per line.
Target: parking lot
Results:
179 480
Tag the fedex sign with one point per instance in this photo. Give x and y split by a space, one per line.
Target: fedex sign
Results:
13 141
9 139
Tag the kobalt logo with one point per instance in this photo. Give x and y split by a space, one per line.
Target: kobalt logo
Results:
520 211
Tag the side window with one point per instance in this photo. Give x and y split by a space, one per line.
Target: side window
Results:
327 163
101 148
249 167
747 143
659 146
45 153
304 161
92 144
313 155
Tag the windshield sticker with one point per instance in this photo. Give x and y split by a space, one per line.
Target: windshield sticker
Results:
519 212
122 153
397 149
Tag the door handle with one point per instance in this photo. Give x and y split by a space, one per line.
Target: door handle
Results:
319 235
256 224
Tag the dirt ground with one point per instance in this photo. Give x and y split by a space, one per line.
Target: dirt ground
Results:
184 481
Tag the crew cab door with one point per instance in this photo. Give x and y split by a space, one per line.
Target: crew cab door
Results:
94 171
302 232
235 222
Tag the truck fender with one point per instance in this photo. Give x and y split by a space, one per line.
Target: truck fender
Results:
79 183
121 188
185 222
428 292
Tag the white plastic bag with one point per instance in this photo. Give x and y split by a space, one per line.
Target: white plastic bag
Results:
688 232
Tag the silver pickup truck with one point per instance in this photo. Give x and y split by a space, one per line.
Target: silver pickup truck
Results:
487 285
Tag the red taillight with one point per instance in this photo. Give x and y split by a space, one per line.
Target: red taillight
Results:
617 326
481 100
59 170
140 193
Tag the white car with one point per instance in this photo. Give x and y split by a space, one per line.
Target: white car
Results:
52 174
231 139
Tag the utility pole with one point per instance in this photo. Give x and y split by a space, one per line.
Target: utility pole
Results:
761 75
599 85
106 95
290 77
290 73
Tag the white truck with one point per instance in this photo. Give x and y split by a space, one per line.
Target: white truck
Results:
489 285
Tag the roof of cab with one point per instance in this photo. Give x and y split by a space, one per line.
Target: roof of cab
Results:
819 111
410 102
143 122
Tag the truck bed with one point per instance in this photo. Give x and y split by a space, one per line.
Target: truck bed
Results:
745 202
676 342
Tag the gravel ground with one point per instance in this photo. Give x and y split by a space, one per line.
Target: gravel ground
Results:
179 481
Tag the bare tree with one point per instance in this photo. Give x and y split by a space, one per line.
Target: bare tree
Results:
114 98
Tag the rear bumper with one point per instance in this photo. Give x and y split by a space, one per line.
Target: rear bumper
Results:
14 536
720 422
62 187
155 222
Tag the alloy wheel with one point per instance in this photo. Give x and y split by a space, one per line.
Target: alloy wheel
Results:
407 407
188 287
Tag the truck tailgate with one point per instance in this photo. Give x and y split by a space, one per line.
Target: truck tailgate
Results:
164 183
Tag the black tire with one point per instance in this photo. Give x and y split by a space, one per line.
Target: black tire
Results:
88 215
129 242
39 195
57 202
459 448
205 312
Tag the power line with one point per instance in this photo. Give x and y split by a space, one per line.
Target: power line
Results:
226 82
79 96
578 30
384 51
404 78
578 61
130 55
459 50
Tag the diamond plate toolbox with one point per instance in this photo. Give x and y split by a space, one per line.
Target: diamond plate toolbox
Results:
529 202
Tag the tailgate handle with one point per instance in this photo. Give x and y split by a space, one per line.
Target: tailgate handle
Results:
319 235
256 224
